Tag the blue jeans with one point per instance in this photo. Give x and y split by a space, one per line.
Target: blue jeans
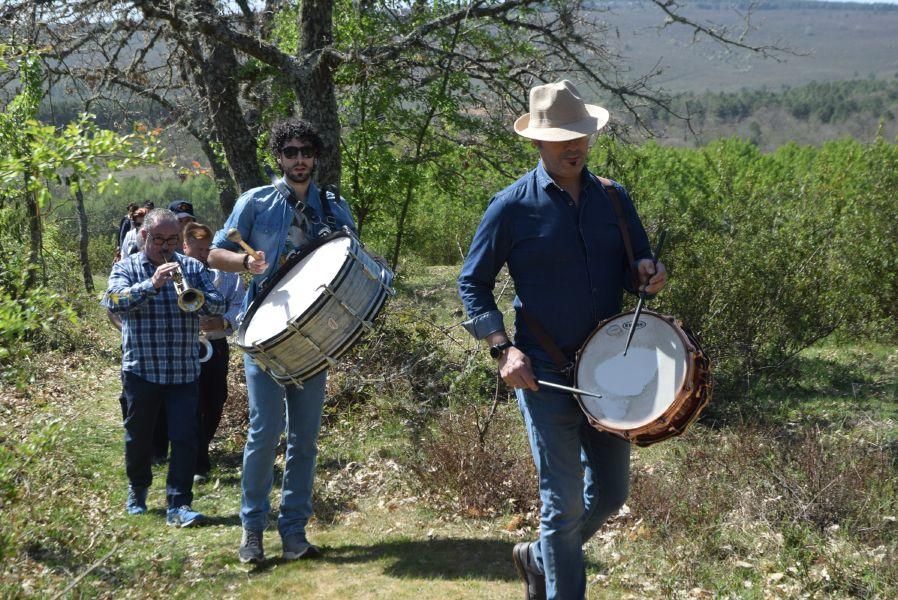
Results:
583 479
142 401
267 399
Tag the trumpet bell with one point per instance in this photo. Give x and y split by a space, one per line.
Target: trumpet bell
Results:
191 300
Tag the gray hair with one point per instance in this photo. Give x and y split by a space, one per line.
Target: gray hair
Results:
158 216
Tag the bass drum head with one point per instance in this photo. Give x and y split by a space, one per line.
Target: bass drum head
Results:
294 292
637 388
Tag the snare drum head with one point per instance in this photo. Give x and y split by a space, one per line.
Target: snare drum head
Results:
296 290
637 388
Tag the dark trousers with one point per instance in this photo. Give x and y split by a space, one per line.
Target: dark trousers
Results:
213 394
142 402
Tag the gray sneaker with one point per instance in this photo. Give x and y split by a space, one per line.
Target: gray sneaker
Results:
137 501
251 550
297 546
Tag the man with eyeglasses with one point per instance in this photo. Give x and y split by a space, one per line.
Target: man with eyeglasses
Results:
278 220
160 360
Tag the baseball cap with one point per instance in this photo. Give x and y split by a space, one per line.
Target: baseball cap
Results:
182 209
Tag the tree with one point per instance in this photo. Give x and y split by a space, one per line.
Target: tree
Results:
34 156
457 68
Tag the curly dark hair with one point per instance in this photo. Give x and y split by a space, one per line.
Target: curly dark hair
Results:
283 132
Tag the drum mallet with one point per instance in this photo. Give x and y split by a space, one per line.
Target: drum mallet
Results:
642 293
565 388
234 236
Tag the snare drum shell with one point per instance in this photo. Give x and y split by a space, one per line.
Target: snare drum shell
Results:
693 391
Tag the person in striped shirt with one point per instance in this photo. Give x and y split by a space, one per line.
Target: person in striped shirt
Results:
160 360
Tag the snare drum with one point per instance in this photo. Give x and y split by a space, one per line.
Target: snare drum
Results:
314 308
654 392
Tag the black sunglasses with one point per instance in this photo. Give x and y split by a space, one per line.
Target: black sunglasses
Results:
293 151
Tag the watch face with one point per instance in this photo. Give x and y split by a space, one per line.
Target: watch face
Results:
497 350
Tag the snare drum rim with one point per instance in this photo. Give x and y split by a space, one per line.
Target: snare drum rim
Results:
688 346
282 272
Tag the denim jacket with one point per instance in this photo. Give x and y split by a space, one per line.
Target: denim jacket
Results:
262 216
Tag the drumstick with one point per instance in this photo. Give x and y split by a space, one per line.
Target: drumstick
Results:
235 237
642 294
565 388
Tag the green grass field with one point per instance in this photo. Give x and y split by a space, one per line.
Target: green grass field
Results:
791 493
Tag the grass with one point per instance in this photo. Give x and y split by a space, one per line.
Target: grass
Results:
797 497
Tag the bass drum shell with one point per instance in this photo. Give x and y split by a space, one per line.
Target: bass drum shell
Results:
314 308
654 392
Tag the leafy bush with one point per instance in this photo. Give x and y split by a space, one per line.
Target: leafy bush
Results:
769 253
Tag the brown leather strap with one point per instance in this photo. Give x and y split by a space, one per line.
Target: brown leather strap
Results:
545 340
624 231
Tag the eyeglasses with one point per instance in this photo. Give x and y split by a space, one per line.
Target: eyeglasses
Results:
294 151
170 241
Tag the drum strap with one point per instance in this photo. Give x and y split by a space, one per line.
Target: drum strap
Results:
546 341
624 231
287 192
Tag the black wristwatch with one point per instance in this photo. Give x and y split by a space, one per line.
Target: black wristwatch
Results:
497 350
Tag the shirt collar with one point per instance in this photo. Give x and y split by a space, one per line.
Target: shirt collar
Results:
545 180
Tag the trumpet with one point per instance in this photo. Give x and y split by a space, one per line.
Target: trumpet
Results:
189 299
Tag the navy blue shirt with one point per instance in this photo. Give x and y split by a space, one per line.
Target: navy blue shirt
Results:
567 260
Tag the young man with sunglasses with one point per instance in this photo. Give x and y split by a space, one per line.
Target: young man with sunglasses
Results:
160 360
277 220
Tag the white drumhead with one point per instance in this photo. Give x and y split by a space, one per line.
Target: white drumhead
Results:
296 291
639 387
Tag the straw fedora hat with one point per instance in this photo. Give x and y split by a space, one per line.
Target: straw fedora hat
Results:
558 114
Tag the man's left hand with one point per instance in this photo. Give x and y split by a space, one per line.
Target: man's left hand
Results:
652 277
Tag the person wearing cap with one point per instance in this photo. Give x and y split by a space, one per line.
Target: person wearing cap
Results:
213 380
183 210
277 220
557 230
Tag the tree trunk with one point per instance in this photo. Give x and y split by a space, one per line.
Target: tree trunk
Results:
83 238
35 231
222 94
317 97
227 193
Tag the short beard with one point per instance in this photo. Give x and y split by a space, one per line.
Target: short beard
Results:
298 178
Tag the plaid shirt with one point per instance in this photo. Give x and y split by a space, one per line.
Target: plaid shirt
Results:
159 340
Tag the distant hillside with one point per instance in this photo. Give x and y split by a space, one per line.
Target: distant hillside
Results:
830 41
808 114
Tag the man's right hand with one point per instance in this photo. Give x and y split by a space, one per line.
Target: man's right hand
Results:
257 266
515 370
163 274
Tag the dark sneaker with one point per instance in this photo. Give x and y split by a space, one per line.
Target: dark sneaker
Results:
183 516
528 571
251 550
296 546
137 501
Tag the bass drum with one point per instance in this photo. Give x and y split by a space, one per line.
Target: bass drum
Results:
315 308
654 392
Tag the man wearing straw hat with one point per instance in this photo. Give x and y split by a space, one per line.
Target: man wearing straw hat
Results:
560 229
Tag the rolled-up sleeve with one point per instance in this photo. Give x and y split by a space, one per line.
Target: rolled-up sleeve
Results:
124 292
241 219
488 253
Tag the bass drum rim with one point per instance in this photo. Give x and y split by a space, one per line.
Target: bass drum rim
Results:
272 282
